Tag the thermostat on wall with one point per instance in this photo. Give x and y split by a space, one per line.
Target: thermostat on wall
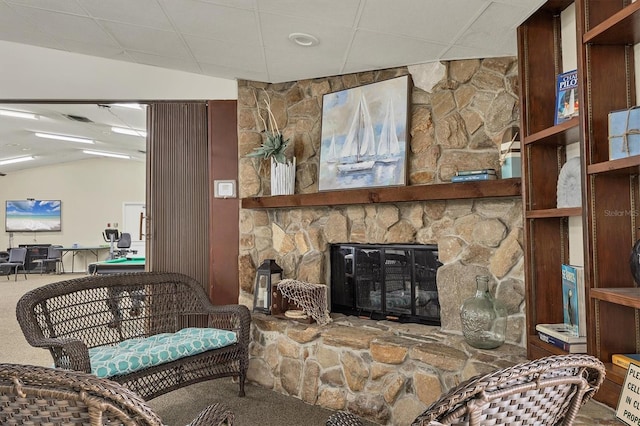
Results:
224 188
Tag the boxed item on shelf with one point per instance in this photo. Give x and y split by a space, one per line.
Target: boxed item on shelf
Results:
624 133
511 166
510 155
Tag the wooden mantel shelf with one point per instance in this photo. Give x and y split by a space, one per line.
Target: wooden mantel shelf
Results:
440 191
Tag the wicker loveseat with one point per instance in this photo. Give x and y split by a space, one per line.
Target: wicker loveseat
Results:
77 318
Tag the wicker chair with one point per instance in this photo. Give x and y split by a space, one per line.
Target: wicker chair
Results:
36 395
546 391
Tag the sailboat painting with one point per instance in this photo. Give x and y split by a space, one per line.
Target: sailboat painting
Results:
364 136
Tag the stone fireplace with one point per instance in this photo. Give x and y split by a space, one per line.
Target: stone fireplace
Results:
457 123
395 282
386 371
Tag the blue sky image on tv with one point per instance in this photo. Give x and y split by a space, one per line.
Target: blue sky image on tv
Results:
33 216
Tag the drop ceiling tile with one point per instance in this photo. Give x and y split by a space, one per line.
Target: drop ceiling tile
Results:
9 17
433 20
187 65
145 13
333 12
238 4
232 55
306 61
234 73
148 40
398 51
213 21
112 51
34 38
64 6
65 26
491 29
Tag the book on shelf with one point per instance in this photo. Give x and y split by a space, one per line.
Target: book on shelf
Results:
476 172
573 299
572 348
476 177
623 360
567 104
560 331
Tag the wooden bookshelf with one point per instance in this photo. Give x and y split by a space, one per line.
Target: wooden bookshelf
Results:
605 32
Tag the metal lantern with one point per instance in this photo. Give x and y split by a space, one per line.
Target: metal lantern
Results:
268 274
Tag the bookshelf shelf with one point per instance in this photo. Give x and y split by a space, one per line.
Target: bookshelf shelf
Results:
562 212
622 27
625 166
561 134
620 296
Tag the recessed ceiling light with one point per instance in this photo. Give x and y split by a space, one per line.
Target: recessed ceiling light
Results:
304 40
63 137
19 114
131 132
16 160
107 154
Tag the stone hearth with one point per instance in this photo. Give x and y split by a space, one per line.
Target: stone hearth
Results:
383 371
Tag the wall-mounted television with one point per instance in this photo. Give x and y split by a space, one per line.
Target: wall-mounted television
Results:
33 216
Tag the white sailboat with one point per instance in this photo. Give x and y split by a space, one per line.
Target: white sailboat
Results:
358 151
388 145
332 154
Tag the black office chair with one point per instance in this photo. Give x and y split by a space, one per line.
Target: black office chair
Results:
17 257
54 255
124 245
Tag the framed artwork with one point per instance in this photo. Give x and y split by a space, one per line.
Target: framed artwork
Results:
364 136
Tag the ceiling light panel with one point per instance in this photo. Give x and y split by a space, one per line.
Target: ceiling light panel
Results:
107 154
16 160
63 137
130 106
19 114
128 131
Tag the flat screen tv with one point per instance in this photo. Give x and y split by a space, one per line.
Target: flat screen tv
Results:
33 216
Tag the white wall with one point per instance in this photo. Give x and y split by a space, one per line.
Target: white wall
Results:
92 193
34 73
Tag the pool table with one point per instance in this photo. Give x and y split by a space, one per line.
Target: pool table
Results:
118 265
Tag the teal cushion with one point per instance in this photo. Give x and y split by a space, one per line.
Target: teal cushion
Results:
136 354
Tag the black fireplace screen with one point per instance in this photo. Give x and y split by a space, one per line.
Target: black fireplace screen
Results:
395 282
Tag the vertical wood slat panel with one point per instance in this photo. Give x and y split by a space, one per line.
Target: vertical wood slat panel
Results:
177 189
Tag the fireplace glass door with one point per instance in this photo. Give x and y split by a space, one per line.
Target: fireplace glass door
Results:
396 282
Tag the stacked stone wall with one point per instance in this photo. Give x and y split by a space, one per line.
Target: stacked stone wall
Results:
458 120
385 372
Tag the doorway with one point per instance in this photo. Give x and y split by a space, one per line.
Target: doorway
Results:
133 222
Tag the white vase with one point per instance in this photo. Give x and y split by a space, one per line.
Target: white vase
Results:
283 177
